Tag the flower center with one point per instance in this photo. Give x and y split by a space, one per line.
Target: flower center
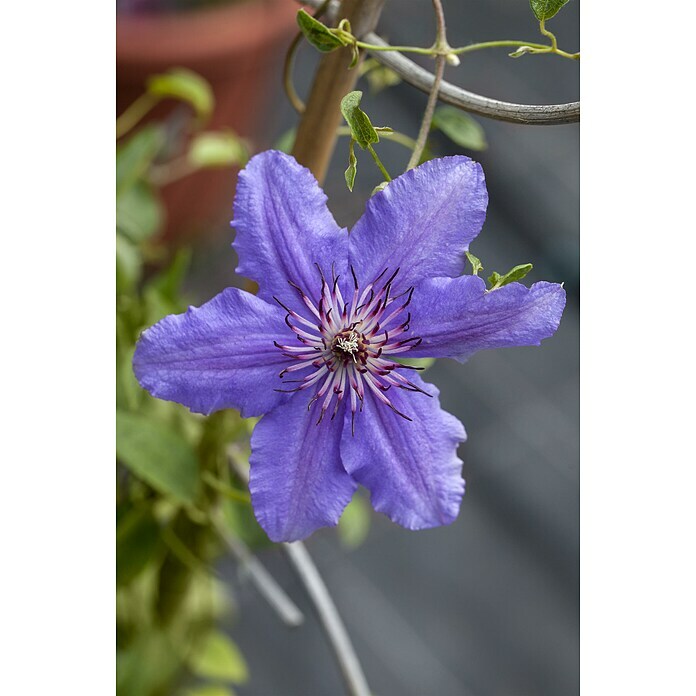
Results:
344 347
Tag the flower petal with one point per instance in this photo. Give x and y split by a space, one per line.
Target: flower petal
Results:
220 355
284 228
411 467
422 222
457 317
296 481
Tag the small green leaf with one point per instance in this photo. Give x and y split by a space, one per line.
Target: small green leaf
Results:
139 212
286 141
134 157
460 128
147 665
545 9
217 150
128 391
352 166
494 279
354 523
379 187
513 275
209 690
476 264
158 455
379 77
186 85
169 281
128 265
137 543
217 657
318 34
358 121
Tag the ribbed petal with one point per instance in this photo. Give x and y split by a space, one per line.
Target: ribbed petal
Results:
220 355
284 228
297 482
411 468
422 222
457 317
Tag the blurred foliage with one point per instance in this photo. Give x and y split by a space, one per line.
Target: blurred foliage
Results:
176 471
168 599
460 128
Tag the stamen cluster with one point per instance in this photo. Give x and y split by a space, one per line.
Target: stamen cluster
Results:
345 345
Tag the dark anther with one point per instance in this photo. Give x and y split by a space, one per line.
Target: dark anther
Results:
297 287
355 279
391 280
289 311
403 415
408 301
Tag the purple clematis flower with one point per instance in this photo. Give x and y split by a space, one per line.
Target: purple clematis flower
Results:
315 351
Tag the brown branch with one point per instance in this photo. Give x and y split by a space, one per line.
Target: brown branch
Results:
316 133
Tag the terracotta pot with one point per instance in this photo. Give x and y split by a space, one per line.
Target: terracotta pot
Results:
237 47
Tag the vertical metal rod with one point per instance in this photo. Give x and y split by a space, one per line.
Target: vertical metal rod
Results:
353 676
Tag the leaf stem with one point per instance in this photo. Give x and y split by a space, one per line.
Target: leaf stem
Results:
507 43
378 162
134 113
331 622
289 86
396 136
546 32
290 91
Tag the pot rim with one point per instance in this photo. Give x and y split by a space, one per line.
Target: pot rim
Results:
201 35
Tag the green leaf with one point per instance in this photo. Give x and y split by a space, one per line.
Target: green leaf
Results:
460 128
379 187
494 279
354 523
545 9
169 281
137 543
135 155
209 690
379 77
217 150
352 166
128 265
147 666
476 264
358 121
239 517
128 391
514 274
318 34
139 212
286 141
185 85
158 455
217 657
